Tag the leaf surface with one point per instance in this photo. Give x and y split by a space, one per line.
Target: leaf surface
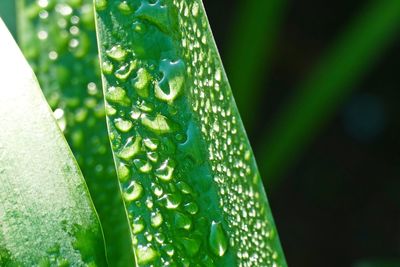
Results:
46 215
188 176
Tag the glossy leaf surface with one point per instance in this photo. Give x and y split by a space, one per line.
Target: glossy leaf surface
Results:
189 179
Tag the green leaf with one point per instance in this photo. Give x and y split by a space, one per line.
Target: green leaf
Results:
251 42
59 40
186 169
332 80
7 13
46 215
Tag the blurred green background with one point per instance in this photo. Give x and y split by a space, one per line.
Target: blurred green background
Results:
317 84
318 87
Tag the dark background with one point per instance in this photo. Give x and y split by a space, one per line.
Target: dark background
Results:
338 203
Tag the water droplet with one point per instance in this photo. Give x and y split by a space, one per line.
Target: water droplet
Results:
125 70
217 240
43 14
171 201
169 88
110 111
130 149
107 67
53 55
123 125
138 225
157 190
42 35
148 236
124 7
123 172
159 124
192 208
133 192
149 203
156 219
74 30
92 88
145 254
43 3
142 82
73 43
117 95
152 156
143 165
195 9
64 9
151 143
100 4
182 221
184 188
165 171
61 120
218 75
169 249
117 53
135 113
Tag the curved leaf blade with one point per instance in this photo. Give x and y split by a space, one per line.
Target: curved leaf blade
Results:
188 176
46 215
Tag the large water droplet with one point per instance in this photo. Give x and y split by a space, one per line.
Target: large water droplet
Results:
218 241
159 124
138 225
184 188
195 9
171 201
151 143
152 156
133 192
165 171
117 95
192 208
123 172
100 4
143 165
123 125
142 82
169 88
156 219
107 67
145 254
169 249
182 221
124 7
117 53
125 70
130 149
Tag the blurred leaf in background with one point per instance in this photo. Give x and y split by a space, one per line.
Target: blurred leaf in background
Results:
8 14
250 46
377 263
332 81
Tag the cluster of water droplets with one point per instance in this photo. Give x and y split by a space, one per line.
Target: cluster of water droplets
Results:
241 194
59 41
63 55
164 181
